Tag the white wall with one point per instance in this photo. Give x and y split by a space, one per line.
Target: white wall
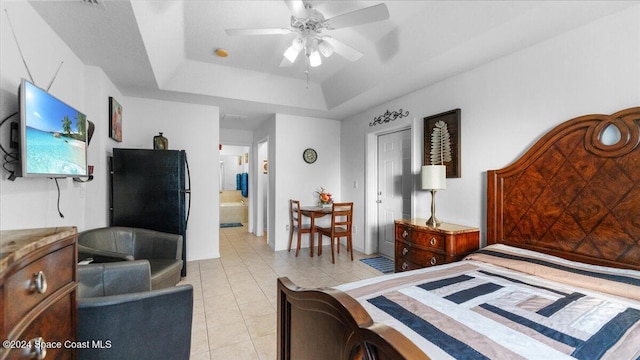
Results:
507 105
289 177
193 128
236 137
32 202
97 102
294 178
263 185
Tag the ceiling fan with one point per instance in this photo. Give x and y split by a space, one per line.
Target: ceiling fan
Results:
308 23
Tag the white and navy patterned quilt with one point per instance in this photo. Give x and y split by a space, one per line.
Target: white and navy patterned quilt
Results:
507 303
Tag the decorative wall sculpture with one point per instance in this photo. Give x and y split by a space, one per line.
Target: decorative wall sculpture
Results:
388 116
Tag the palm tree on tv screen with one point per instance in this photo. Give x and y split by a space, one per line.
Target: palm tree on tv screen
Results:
81 125
66 125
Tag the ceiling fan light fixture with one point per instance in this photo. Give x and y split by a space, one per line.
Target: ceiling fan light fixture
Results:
308 25
325 48
291 54
314 59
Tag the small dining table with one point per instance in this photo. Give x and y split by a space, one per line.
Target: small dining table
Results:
314 212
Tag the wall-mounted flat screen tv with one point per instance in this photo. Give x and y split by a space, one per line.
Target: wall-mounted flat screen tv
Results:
53 135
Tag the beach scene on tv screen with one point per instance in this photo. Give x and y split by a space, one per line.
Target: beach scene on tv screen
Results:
55 135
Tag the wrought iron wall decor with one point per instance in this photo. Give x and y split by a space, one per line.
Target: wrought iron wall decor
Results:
388 116
452 120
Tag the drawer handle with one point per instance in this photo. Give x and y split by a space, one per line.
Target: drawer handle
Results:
404 234
40 282
433 241
405 266
433 261
38 348
405 251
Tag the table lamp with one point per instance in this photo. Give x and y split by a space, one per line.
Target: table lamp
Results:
434 177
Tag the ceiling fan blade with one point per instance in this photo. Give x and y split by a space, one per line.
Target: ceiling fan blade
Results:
297 8
343 49
358 17
272 31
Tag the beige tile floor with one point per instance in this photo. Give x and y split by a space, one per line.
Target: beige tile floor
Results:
234 315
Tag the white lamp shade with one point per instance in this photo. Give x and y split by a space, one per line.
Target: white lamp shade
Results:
314 59
325 48
292 53
434 177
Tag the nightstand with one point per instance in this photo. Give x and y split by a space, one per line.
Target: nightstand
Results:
419 245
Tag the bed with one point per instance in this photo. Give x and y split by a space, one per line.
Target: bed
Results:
559 277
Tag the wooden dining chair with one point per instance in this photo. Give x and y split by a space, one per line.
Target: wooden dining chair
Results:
341 219
296 224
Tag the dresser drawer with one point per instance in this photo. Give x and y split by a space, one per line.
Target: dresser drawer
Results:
425 239
429 240
403 233
404 264
406 251
54 327
27 286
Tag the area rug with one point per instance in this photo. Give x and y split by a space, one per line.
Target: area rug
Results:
380 263
228 225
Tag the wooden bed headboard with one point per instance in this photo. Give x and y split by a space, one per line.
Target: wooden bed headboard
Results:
571 195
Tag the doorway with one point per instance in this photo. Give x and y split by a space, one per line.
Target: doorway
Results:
234 185
394 186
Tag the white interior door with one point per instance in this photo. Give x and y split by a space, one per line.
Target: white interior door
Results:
394 186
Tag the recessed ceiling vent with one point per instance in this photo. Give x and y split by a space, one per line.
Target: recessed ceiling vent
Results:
96 3
234 118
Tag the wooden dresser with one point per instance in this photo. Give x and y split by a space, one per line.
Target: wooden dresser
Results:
419 245
38 291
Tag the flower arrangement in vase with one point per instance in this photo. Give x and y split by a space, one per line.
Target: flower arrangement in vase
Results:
324 197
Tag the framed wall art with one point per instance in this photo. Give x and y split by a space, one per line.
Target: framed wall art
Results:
115 125
442 141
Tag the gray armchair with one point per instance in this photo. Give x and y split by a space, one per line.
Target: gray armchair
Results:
117 307
119 243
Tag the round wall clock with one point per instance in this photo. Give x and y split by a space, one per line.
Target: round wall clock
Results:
309 155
